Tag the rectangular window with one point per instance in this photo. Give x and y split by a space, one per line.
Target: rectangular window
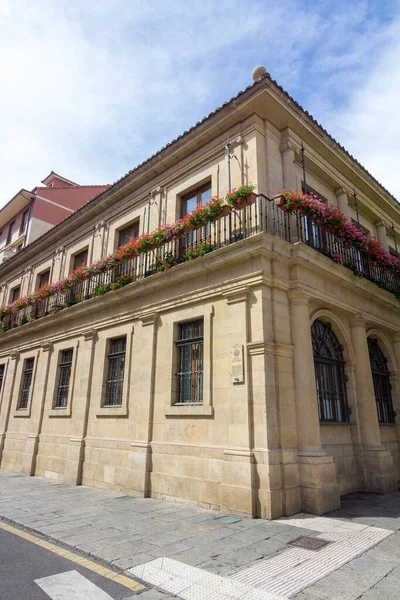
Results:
24 222
15 293
10 232
2 367
80 260
64 374
26 383
190 362
43 278
196 199
128 233
115 373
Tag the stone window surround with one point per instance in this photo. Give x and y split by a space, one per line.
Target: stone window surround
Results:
127 224
102 346
72 252
25 412
64 411
192 410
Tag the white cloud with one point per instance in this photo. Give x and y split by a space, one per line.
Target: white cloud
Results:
92 88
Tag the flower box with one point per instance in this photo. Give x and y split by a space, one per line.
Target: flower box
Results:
226 209
279 200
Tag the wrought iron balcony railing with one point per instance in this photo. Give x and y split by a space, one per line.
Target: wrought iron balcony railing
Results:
262 216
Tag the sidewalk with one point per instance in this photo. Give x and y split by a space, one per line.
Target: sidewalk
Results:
186 551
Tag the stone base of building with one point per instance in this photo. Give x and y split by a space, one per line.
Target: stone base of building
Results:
380 475
318 482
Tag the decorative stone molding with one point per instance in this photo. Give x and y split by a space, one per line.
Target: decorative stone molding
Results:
238 452
271 348
289 141
47 346
358 321
89 335
342 191
148 318
299 296
14 354
240 294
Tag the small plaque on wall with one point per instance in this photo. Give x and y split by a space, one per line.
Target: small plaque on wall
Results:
237 364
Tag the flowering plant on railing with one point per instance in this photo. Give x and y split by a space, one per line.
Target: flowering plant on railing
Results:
145 242
332 220
237 197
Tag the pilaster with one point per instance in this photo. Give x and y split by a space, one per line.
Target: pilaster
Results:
381 234
379 475
76 450
343 201
317 471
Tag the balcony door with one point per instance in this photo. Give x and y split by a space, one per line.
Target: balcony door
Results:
190 202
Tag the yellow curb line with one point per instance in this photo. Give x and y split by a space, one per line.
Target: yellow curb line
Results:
129 583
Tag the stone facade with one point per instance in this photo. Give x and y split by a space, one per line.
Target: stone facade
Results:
254 446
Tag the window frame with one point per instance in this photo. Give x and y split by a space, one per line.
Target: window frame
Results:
13 296
331 372
203 233
195 345
24 222
205 409
25 372
381 380
10 233
111 356
62 366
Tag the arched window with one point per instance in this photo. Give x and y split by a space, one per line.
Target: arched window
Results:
381 378
329 374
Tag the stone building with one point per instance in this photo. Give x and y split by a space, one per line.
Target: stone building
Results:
261 378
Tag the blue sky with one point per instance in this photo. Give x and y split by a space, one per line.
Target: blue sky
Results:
91 88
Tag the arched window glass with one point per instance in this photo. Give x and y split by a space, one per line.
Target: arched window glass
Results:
381 378
329 374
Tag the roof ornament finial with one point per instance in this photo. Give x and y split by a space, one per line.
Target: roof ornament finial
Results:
258 73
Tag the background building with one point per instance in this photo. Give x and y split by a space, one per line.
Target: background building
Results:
261 378
28 215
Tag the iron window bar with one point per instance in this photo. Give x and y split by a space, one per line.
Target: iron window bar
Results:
382 385
190 362
26 383
330 375
115 375
63 378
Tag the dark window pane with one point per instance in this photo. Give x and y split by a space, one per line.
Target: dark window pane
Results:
15 294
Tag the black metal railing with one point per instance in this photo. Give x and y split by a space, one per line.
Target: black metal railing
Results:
261 217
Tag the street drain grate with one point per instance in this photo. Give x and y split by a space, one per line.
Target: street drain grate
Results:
310 543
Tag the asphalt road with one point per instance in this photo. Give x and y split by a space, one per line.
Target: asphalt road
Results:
23 562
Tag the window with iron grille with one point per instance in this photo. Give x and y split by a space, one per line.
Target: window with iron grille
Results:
64 374
329 374
382 386
1 376
190 362
26 383
115 374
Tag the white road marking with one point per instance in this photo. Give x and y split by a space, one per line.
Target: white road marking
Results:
71 586
276 578
191 583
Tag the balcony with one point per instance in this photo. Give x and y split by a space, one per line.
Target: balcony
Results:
263 216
